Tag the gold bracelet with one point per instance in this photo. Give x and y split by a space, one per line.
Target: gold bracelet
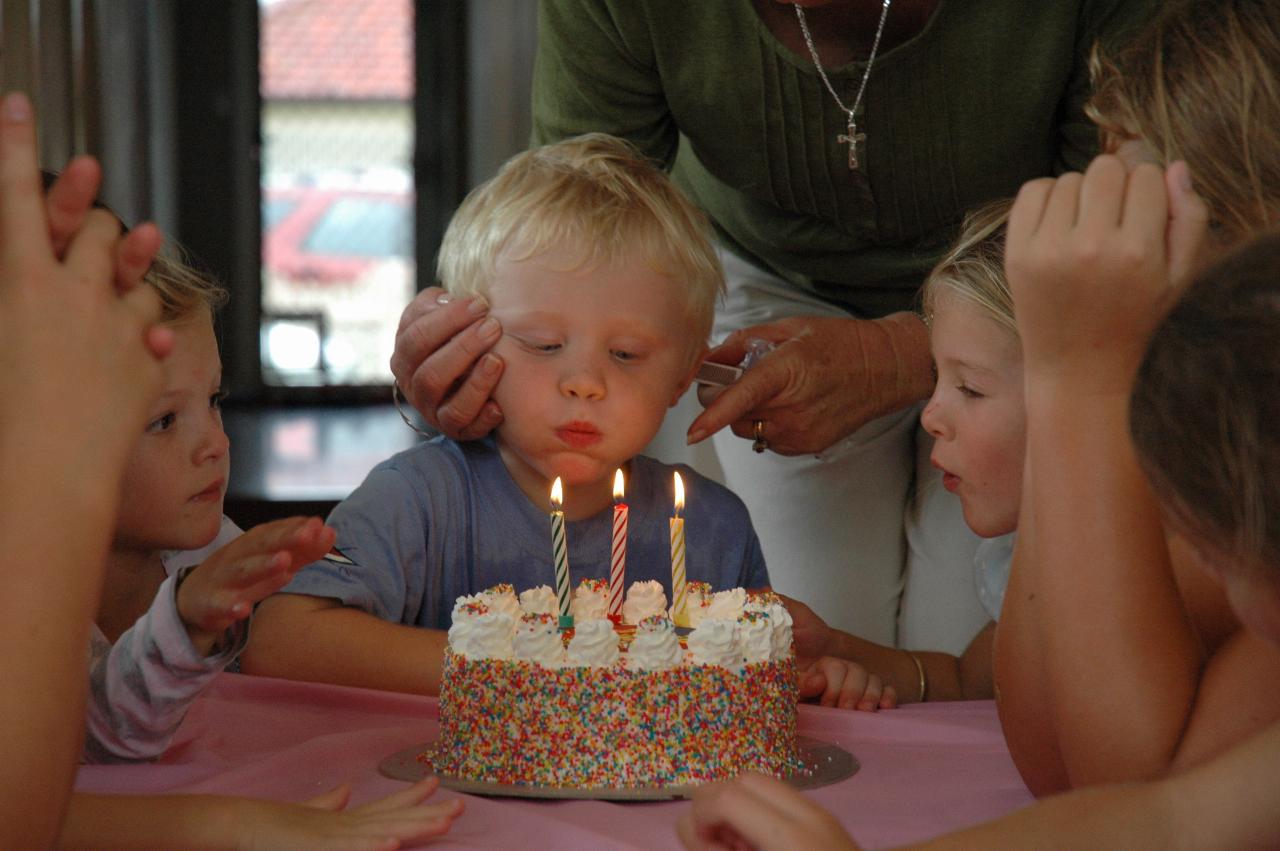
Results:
924 683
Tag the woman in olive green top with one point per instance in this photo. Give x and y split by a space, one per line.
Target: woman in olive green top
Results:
962 102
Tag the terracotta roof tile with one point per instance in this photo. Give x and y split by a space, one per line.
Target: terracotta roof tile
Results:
337 49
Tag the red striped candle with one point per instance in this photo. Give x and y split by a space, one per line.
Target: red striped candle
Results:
618 561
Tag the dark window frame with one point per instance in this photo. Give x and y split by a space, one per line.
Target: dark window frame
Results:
219 200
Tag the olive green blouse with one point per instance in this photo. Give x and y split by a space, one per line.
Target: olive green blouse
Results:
988 95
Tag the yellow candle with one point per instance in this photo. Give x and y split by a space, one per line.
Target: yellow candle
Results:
679 595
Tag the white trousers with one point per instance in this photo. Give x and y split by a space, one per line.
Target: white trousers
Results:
831 526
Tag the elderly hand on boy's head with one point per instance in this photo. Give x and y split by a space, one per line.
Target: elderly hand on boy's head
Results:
443 366
843 684
752 811
225 587
825 379
60 317
1095 261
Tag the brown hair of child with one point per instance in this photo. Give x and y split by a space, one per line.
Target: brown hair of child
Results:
1205 409
1201 83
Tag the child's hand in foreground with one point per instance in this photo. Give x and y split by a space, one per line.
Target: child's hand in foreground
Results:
752 811
399 820
225 587
843 684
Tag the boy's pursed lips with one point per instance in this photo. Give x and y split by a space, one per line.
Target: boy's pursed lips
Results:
579 434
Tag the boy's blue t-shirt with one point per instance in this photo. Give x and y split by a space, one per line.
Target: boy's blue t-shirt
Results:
445 519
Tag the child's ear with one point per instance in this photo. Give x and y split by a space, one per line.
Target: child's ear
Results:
703 350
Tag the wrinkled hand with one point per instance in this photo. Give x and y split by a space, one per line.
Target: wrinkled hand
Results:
62 323
224 588
756 812
843 684
443 364
1094 263
399 820
826 378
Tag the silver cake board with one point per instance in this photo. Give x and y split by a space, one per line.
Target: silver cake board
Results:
823 764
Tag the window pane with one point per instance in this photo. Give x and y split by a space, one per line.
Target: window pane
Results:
337 187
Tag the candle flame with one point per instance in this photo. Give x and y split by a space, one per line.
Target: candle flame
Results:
557 494
679 493
619 491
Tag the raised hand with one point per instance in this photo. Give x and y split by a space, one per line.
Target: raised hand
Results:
79 365
62 321
443 365
826 378
69 200
1095 261
224 588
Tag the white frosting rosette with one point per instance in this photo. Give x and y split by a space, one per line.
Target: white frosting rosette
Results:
537 640
726 605
538 601
502 599
755 634
594 644
591 600
478 632
782 638
715 642
655 646
768 601
644 600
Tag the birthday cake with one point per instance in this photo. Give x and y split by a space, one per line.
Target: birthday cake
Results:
616 707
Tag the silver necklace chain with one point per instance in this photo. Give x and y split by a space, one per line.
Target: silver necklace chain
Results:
853 137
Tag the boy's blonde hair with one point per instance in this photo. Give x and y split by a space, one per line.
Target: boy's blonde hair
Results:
597 195
184 292
1202 83
974 268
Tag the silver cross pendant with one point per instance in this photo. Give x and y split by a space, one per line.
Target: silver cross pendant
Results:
853 138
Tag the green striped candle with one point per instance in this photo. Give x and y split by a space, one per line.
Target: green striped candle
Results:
560 553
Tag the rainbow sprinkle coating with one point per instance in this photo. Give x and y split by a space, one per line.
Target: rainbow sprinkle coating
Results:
516 722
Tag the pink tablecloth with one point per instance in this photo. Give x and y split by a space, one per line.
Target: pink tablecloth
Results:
925 769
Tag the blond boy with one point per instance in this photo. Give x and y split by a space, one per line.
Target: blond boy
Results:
604 280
